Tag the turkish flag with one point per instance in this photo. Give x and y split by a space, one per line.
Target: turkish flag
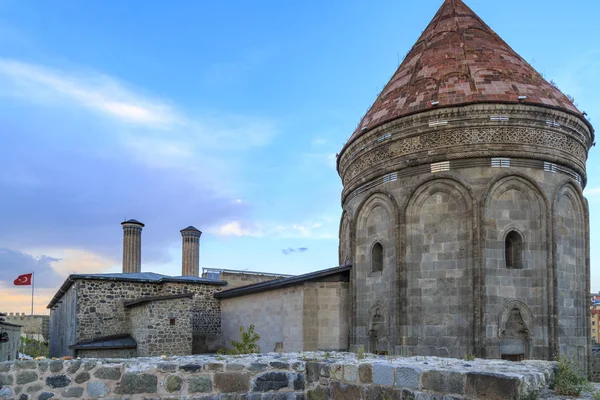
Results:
23 280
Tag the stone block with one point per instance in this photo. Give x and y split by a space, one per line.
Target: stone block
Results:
25 364
133 383
58 381
166 367
89 365
342 391
270 381
46 396
108 373
97 389
26 377
351 373
231 382
191 367
298 381
443 382
336 372
313 371
199 384
408 378
365 373
173 383
6 380
43 366
491 386
82 377
6 392
74 366
318 393
56 366
383 374
75 391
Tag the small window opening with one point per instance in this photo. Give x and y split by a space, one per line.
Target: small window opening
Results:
513 249
377 257
171 321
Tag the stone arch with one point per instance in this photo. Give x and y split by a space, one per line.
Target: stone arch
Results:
376 221
571 269
345 239
513 202
515 331
439 267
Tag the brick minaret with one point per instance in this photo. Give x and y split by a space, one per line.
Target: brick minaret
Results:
132 246
190 257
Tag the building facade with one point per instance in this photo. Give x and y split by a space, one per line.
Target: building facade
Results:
463 214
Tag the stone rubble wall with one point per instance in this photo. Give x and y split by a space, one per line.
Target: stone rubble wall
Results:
289 376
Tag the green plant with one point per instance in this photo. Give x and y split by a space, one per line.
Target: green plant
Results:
531 395
361 352
469 357
568 380
596 395
248 342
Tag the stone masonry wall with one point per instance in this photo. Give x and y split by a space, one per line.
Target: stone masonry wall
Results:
309 317
100 310
293 376
35 326
162 327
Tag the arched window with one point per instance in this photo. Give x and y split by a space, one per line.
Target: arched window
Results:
513 250
377 257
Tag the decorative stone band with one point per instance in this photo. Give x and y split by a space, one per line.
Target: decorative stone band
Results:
534 129
494 162
512 137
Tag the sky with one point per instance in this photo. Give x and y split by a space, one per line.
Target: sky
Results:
225 115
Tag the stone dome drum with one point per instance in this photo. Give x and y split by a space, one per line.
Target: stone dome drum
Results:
463 214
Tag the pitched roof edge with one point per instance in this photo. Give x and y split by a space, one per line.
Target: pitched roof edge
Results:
99 277
279 283
143 300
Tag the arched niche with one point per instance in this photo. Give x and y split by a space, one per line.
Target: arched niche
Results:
345 239
439 264
572 274
376 223
378 329
515 331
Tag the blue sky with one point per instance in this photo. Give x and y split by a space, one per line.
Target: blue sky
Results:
223 115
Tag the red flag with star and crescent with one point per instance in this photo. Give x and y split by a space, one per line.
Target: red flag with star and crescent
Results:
23 280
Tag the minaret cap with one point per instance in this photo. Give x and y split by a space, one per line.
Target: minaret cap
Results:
134 222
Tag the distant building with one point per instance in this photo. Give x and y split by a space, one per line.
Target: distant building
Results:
595 317
10 335
34 326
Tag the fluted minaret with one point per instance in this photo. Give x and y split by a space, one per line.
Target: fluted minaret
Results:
132 246
190 257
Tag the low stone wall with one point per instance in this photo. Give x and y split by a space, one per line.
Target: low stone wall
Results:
294 376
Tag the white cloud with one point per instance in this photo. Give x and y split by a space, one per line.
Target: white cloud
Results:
309 230
94 91
236 228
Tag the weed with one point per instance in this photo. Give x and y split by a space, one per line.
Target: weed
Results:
469 357
248 342
568 380
361 353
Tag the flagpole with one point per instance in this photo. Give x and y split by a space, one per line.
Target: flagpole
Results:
32 285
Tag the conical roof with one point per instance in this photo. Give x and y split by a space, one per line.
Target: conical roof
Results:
460 60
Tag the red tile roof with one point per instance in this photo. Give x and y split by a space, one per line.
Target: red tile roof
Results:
460 60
